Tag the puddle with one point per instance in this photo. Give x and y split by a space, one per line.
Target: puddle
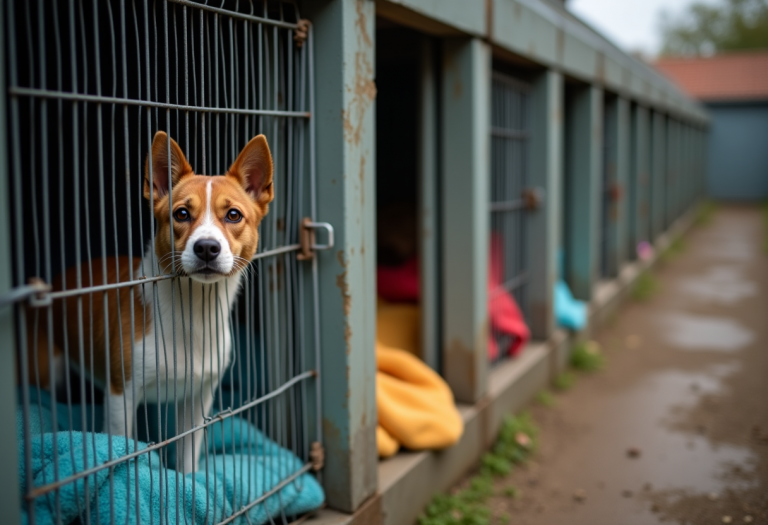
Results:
705 333
721 284
649 417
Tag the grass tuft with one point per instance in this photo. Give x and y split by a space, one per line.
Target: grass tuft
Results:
565 381
645 286
516 442
587 357
675 248
706 213
545 398
765 226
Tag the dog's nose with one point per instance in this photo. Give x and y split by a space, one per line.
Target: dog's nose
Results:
207 249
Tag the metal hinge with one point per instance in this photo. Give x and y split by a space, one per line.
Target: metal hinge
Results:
317 455
35 293
307 238
533 198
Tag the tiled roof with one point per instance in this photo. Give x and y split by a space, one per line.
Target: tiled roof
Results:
736 76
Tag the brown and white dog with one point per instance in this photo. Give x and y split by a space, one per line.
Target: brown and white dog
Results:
181 342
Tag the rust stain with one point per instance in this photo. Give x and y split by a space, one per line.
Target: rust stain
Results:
361 23
346 298
458 88
363 95
362 180
364 88
462 364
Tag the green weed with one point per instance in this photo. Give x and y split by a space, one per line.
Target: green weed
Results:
516 442
565 381
765 225
705 213
675 248
545 398
587 356
645 286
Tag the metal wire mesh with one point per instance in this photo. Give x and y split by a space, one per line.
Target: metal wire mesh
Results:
89 84
510 136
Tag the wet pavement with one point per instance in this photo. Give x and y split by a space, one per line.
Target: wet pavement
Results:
675 429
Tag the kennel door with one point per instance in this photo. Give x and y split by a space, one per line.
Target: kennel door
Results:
88 85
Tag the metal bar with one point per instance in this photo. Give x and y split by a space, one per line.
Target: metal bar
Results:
155 446
235 14
504 206
17 91
306 468
514 134
512 284
24 292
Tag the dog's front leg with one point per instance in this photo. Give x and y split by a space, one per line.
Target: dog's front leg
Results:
192 444
119 412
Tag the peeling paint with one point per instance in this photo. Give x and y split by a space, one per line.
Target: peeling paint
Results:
343 284
364 88
363 95
362 180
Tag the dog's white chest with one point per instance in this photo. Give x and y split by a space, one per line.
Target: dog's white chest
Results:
189 344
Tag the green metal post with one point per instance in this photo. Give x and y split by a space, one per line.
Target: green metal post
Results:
429 259
544 224
621 201
641 175
583 184
343 32
658 175
466 169
10 499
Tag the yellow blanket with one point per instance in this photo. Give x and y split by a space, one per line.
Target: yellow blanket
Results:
415 405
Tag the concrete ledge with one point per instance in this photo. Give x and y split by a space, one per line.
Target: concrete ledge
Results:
408 481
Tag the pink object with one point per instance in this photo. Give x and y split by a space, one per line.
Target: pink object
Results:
503 312
644 250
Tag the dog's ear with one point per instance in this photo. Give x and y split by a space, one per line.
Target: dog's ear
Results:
253 171
161 160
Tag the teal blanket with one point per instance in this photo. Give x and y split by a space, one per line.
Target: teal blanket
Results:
242 465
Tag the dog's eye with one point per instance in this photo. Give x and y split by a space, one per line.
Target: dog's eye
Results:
181 215
234 215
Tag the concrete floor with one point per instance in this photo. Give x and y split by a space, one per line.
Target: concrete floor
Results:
686 385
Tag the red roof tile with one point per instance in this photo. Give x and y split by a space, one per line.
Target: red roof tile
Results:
737 76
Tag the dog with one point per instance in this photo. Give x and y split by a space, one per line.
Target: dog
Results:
206 234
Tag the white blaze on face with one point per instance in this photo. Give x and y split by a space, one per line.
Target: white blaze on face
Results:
207 229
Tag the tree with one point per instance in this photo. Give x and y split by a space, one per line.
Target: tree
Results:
706 28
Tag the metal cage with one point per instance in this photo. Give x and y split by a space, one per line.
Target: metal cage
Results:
88 85
509 199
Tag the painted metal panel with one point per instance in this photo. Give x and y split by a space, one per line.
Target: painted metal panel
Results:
10 496
738 152
658 155
613 73
621 201
544 223
345 94
465 170
522 30
429 256
465 15
578 58
639 185
582 189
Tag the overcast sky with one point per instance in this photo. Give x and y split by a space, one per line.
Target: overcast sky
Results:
632 24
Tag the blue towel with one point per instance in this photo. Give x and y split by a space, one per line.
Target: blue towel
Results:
243 465
569 312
